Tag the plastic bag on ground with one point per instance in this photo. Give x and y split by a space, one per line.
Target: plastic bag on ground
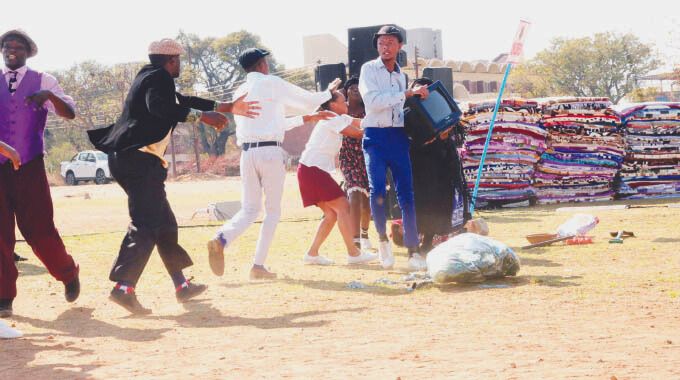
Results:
578 225
7 332
471 258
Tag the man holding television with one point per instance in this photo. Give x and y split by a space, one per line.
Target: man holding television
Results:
382 85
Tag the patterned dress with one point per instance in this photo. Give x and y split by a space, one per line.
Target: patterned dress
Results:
352 164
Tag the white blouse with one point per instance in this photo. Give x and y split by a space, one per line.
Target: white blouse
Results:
325 142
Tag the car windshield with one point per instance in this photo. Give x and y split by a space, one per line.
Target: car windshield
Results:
102 156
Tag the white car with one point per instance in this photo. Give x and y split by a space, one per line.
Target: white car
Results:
89 165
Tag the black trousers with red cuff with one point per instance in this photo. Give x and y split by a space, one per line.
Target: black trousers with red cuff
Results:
153 224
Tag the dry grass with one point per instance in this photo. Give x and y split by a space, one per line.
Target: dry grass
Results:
573 312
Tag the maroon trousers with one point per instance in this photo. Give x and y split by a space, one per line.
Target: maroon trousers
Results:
25 194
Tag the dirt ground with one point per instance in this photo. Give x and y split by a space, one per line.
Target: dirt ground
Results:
600 311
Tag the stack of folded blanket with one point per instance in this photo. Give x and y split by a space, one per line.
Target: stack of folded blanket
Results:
517 142
570 103
584 151
651 168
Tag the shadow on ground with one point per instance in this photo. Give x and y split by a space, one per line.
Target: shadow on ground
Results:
532 262
18 357
28 269
201 314
666 240
79 322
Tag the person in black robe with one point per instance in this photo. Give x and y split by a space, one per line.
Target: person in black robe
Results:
439 185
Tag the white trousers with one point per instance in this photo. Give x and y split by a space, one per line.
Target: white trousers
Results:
263 171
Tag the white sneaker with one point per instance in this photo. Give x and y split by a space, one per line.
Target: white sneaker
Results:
385 253
7 332
316 260
417 262
364 257
365 244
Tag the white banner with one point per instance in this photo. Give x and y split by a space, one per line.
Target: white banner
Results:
518 42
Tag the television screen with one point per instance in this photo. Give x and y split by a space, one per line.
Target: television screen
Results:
425 119
437 106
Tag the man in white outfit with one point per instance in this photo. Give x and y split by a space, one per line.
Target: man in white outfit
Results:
263 168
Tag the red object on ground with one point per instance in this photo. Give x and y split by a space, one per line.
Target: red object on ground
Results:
580 240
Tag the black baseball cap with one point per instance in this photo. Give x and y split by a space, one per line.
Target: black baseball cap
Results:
388 30
250 56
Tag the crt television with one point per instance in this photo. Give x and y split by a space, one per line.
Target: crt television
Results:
426 119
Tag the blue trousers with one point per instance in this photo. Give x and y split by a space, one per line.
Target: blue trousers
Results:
389 148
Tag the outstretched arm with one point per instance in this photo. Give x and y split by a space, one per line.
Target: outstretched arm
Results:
297 121
52 96
299 98
240 107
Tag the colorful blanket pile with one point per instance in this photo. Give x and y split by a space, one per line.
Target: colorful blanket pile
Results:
651 168
517 142
584 152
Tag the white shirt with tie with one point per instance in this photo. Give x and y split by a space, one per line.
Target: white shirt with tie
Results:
263 169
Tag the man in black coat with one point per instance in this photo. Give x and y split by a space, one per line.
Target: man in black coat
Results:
136 144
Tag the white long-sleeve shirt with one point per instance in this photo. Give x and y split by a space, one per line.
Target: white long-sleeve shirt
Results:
274 95
47 82
383 94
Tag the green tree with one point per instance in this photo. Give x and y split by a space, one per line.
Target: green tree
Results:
529 80
606 64
99 92
214 63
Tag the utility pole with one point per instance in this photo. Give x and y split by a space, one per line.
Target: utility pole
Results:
415 60
194 127
316 76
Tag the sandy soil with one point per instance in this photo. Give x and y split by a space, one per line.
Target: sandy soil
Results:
599 311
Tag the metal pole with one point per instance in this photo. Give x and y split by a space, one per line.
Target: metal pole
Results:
488 137
198 156
172 152
415 61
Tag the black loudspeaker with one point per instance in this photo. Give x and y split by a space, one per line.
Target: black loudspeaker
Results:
360 47
402 58
442 74
325 74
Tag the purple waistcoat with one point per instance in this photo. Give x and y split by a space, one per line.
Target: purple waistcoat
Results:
22 126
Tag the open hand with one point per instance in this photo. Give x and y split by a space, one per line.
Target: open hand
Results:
39 98
334 85
422 91
214 119
247 109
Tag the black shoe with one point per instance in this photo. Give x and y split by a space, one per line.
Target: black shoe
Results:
72 290
190 291
6 308
18 258
129 302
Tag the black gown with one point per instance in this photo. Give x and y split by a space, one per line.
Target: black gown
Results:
437 176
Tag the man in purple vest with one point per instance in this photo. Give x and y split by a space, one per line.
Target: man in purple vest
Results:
26 96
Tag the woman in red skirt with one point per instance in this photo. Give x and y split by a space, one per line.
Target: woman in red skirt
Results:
318 188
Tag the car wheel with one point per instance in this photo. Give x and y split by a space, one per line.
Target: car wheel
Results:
100 177
71 179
